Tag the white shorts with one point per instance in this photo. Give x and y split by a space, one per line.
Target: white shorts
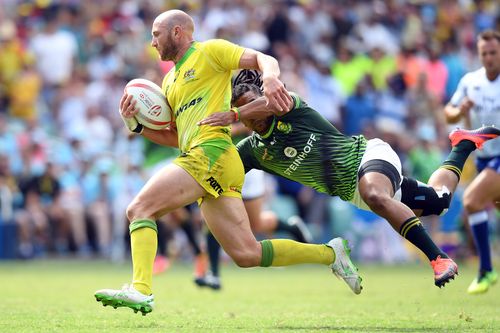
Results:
377 149
254 185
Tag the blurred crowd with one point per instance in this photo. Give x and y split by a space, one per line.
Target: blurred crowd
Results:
68 167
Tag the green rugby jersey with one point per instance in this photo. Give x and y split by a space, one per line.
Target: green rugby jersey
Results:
304 147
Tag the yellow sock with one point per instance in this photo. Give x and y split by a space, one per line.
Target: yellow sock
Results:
143 242
285 252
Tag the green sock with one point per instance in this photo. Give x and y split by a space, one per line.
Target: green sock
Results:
457 157
413 230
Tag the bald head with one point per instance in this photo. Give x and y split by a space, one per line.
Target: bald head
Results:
175 17
172 34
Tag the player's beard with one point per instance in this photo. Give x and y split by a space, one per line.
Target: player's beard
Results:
170 52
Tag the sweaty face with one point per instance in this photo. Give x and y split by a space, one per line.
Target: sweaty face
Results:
163 41
258 125
489 54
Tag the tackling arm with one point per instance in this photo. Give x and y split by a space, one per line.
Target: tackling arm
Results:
260 109
257 109
274 90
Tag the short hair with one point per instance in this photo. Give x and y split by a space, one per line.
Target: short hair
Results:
241 89
488 35
246 80
250 76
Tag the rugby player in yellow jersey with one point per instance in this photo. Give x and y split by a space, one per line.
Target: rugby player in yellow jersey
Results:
209 169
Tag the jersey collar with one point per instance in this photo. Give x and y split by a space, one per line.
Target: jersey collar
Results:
185 56
270 130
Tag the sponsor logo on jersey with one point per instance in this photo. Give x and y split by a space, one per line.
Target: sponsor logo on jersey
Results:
301 156
215 185
266 156
284 127
186 106
290 152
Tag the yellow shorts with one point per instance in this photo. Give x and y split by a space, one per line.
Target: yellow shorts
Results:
218 170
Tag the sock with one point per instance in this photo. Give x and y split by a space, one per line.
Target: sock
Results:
187 227
413 230
162 239
457 157
144 242
213 253
285 252
291 229
479 226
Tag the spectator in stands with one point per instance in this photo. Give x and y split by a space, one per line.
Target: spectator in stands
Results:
55 51
43 200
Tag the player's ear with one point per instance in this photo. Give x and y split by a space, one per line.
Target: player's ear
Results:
177 30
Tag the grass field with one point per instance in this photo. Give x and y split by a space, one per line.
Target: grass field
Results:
57 296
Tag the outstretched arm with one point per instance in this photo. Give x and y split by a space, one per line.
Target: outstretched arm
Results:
257 109
276 95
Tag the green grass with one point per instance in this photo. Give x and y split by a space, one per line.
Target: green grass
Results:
57 296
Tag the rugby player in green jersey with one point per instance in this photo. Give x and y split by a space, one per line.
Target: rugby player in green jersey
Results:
301 145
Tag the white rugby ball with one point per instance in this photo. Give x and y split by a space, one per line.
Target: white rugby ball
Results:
154 111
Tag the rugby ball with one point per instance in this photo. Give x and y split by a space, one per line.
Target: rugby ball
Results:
154 111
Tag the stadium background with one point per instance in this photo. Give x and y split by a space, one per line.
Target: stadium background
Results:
68 168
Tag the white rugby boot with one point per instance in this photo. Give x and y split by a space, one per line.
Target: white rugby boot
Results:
343 267
128 296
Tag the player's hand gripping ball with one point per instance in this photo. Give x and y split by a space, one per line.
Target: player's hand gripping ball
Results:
154 111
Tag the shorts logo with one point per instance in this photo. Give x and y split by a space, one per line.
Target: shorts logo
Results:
290 152
234 189
215 185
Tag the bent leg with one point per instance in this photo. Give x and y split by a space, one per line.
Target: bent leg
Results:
227 220
376 191
170 188
449 173
483 190
423 199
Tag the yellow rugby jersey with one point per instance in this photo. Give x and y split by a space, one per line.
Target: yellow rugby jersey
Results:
199 85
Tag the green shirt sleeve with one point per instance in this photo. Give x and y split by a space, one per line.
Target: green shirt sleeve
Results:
247 154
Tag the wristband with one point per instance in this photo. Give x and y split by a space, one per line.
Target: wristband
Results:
138 129
237 114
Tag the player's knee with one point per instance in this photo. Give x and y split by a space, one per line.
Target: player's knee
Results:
245 259
133 211
471 204
376 200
